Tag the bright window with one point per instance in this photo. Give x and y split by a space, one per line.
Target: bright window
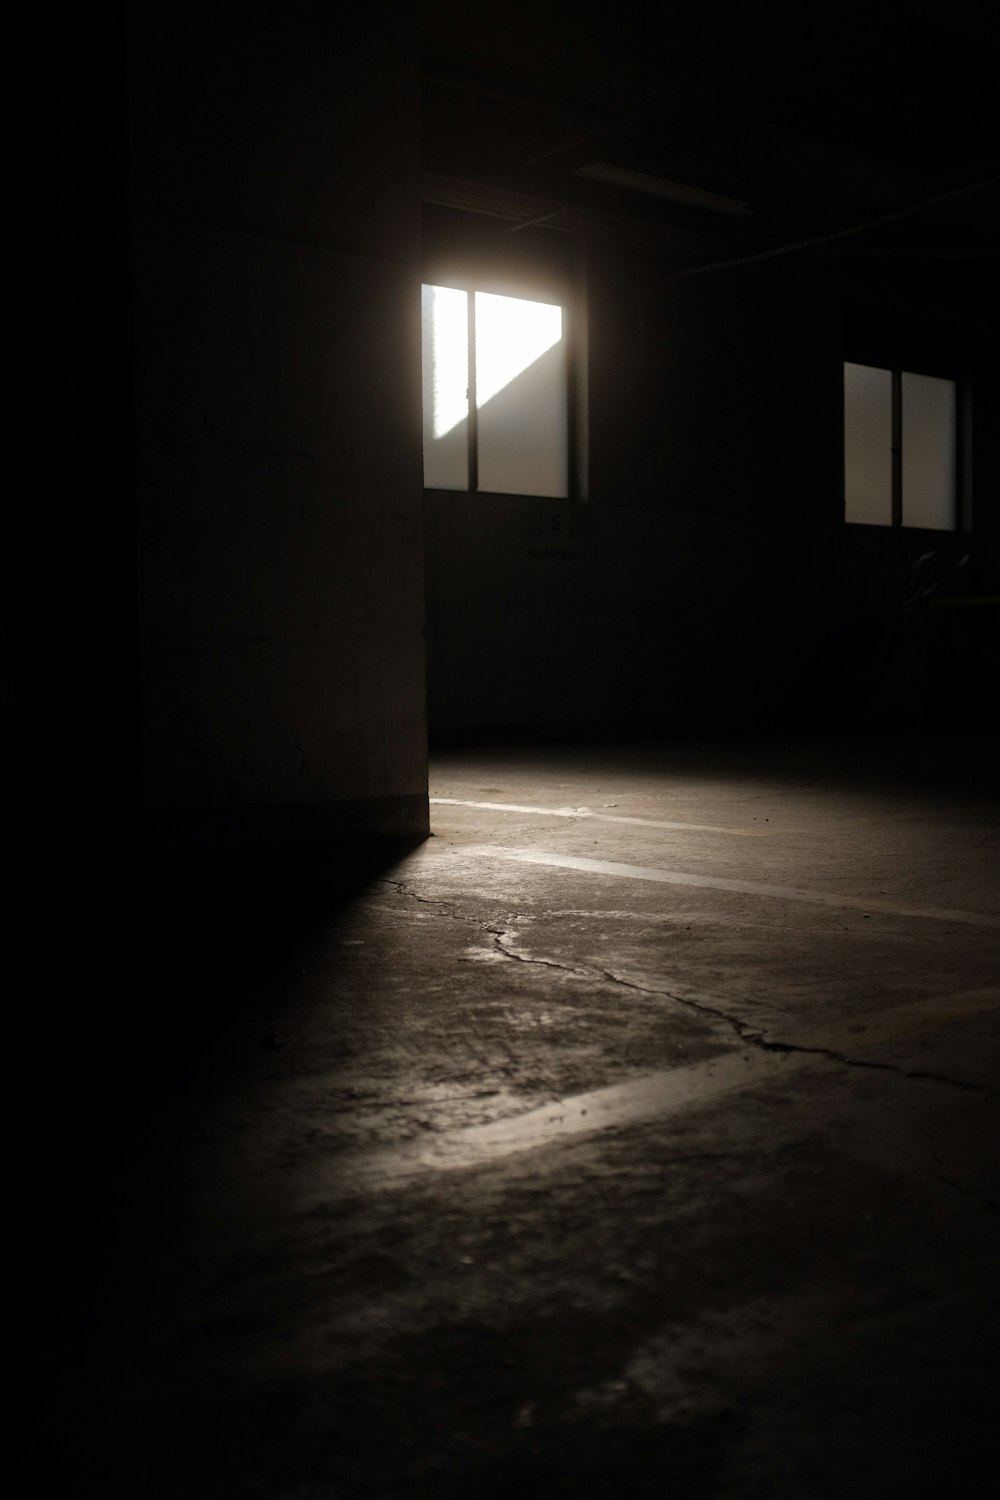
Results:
495 393
900 448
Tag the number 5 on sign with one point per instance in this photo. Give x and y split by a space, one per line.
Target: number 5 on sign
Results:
555 522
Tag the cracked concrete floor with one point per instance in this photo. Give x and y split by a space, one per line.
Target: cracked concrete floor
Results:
637 1133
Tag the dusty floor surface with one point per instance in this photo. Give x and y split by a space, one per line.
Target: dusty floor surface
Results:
634 1135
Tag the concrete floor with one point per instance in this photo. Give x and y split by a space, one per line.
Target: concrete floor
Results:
635 1135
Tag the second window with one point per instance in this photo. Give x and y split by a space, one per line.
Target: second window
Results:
900 448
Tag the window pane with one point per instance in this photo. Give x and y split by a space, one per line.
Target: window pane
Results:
928 452
446 387
867 445
520 396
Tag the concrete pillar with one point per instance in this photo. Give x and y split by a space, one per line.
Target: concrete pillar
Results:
277 389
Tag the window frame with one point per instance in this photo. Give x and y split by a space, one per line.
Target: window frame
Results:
546 290
897 369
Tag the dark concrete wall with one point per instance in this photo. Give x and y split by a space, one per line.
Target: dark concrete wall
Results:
709 579
276 378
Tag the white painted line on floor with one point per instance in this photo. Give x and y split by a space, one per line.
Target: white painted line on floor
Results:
736 887
587 812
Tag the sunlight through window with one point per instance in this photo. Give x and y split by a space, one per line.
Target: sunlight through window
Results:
518 443
510 335
446 331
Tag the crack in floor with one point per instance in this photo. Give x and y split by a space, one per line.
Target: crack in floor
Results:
405 890
499 933
743 1029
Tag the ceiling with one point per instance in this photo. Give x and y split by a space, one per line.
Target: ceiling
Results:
865 136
